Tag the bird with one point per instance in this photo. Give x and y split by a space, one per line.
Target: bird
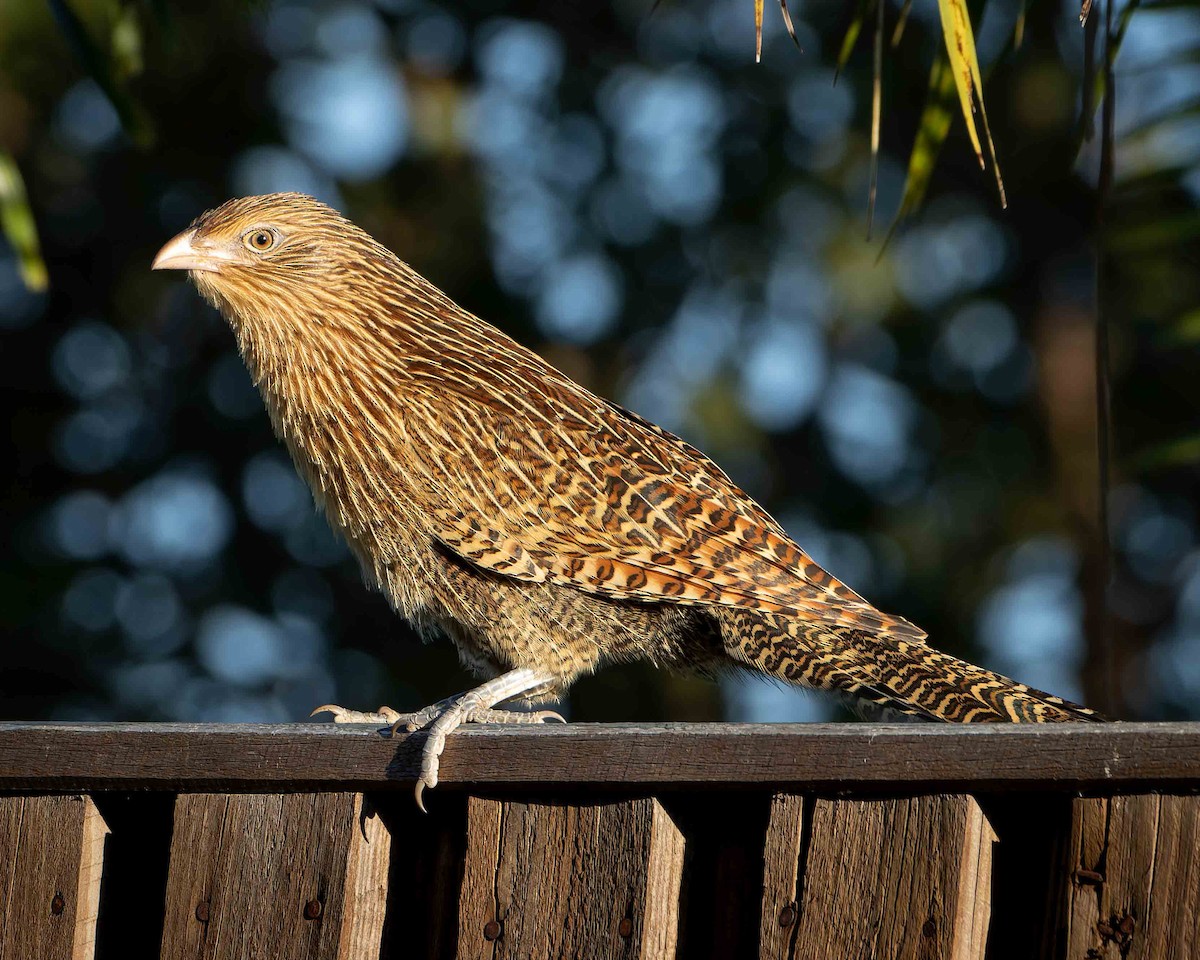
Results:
545 531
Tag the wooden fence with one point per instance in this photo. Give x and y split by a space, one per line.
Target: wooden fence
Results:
586 841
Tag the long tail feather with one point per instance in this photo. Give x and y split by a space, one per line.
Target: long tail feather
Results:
891 673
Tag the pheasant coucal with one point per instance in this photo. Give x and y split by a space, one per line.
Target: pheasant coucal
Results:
544 530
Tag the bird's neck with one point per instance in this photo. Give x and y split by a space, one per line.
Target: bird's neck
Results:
332 389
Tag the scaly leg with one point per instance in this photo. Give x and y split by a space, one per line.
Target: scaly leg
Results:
446 716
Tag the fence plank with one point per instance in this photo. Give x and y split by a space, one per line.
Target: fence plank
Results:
1135 878
781 874
557 880
930 758
52 852
302 876
888 878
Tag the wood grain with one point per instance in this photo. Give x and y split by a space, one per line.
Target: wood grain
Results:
51 860
902 878
558 880
1045 757
782 856
1133 877
297 876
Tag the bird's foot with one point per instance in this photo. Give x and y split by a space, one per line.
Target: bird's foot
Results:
444 717
451 714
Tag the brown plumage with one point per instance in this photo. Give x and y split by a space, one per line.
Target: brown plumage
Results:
544 530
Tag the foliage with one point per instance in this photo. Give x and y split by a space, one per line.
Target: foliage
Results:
676 227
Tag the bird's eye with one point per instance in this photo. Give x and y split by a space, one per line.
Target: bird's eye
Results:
259 240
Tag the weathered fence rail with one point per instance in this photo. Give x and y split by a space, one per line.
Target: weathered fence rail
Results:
593 841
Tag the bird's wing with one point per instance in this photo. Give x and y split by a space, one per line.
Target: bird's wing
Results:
560 486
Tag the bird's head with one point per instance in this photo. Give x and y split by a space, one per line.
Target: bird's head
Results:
248 253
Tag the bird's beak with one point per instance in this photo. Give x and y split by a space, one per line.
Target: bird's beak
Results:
184 253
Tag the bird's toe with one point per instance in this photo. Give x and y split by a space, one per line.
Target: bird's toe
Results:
385 715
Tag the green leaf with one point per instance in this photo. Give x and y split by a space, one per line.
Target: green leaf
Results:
936 117
964 66
1174 453
16 220
860 14
1187 328
1150 180
898 32
1152 237
127 42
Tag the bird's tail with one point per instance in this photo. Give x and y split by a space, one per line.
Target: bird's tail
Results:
891 672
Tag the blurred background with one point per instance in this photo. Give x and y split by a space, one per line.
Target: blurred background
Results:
677 228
